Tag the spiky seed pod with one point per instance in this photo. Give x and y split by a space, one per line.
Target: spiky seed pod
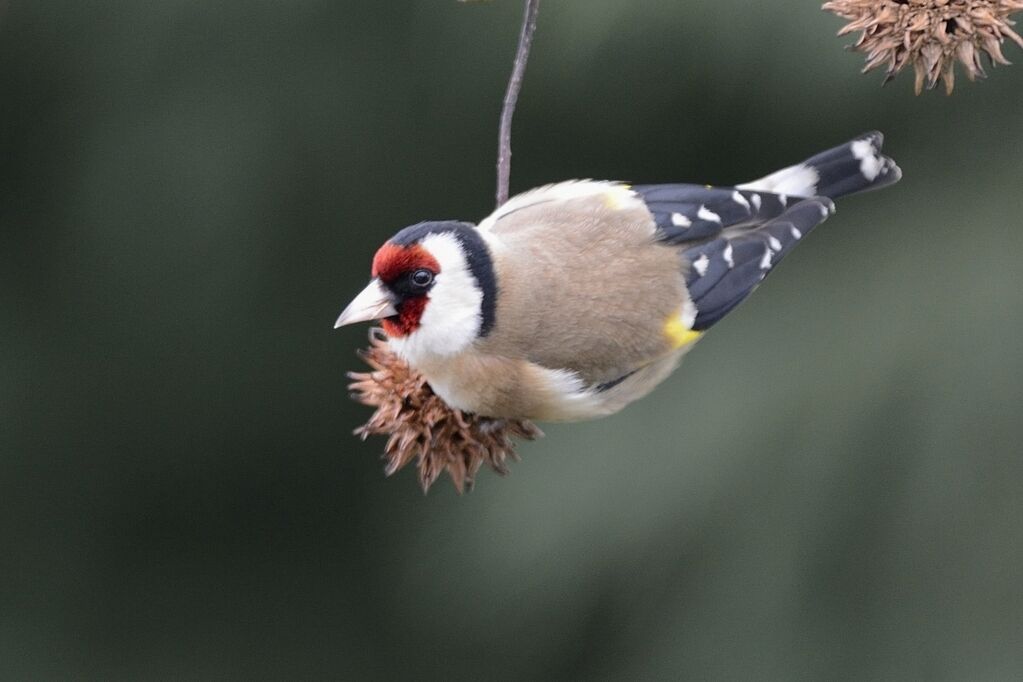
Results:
929 34
423 427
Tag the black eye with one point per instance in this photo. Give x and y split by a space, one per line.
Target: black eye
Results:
422 278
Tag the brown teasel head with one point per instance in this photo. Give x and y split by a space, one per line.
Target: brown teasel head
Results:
422 427
930 35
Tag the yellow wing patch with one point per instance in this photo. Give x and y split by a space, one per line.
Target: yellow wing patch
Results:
678 333
620 197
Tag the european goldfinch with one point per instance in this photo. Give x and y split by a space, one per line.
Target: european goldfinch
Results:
573 300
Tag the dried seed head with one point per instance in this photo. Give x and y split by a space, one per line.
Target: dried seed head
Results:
929 34
423 427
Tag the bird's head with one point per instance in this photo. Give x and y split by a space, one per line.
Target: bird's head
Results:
433 289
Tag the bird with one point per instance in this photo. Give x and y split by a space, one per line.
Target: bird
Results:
575 299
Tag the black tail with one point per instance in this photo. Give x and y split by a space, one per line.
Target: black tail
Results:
855 166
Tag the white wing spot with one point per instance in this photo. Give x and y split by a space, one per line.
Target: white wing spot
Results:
775 244
756 202
706 214
783 199
765 262
700 264
739 199
728 256
679 220
796 234
870 163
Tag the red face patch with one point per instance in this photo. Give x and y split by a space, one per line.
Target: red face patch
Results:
410 312
392 262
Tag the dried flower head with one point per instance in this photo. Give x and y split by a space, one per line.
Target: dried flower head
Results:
423 427
929 34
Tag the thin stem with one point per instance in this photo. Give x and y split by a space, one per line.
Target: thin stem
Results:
511 97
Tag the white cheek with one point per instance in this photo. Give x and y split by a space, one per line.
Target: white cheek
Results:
452 318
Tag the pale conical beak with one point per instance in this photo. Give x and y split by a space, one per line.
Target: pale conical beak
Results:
373 303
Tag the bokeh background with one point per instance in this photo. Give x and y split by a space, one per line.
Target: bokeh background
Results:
830 488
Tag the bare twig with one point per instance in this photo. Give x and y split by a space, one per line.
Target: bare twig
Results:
511 96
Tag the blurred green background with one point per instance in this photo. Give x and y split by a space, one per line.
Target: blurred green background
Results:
830 488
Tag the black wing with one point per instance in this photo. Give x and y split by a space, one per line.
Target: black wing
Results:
724 271
693 213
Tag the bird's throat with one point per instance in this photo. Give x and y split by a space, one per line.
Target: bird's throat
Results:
408 319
